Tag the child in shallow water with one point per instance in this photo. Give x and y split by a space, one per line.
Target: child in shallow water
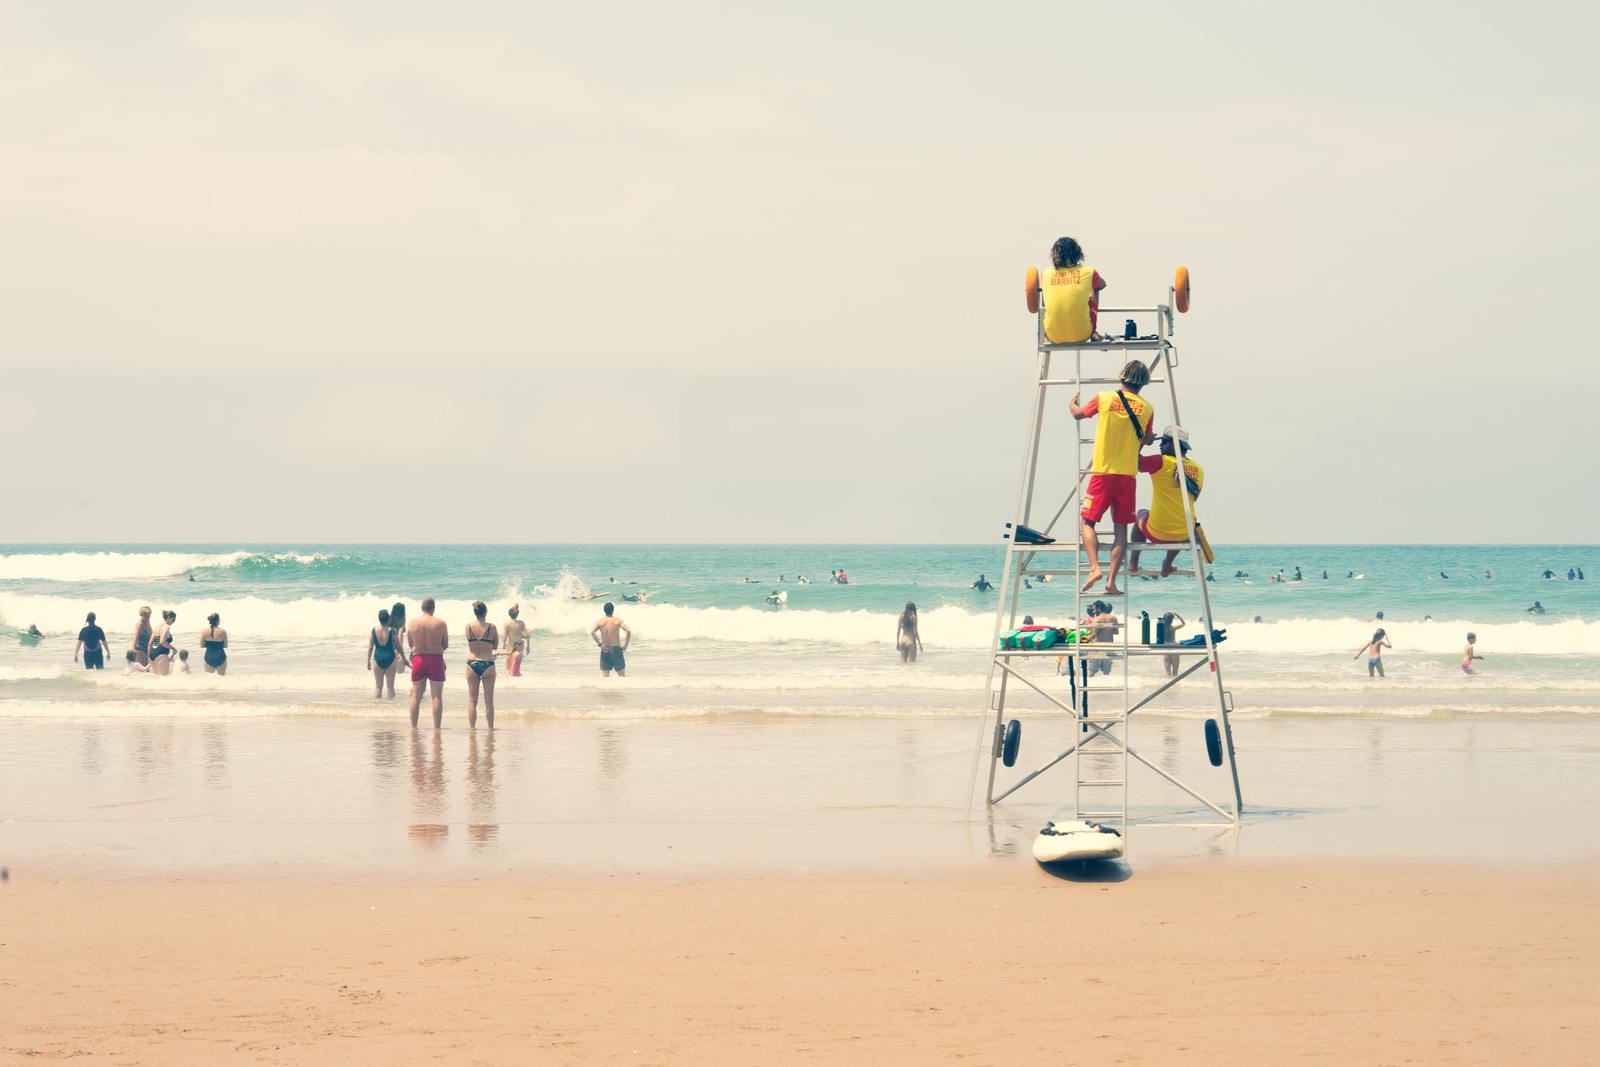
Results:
1374 650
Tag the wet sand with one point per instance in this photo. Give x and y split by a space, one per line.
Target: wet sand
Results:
1226 962
319 891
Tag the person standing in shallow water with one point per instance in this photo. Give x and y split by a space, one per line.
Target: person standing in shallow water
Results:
92 642
612 650
907 637
516 642
481 640
161 644
214 639
428 637
141 638
1374 650
383 654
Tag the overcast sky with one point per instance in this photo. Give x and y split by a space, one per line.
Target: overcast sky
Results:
738 272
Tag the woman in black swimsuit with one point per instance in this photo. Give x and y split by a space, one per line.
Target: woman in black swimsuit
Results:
383 653
141 639
161 644
481 639
215 640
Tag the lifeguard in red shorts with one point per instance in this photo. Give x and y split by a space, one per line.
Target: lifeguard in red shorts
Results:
1126 423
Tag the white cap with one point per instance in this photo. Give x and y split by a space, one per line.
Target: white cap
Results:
1177 433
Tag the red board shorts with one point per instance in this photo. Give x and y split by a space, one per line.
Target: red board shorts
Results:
429 665
1142 520
1114 491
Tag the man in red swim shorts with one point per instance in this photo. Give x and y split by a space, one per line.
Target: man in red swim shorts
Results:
429 638
1126 423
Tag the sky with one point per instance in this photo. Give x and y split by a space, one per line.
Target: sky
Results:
752 273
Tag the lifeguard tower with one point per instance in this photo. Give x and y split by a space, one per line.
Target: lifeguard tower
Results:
1103 704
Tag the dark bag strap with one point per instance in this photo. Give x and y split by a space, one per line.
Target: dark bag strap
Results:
1137 429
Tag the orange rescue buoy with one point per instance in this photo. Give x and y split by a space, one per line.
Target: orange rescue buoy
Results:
1180 289
1030 290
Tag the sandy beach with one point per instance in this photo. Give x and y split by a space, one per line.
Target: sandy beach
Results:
1208 963
269 891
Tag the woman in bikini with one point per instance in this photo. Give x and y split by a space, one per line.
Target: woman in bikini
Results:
161 644
907 638
1374 650
481 640
383 653
516 642
141 639
215 641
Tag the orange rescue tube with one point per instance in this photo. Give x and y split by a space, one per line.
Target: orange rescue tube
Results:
1180 289
1030 290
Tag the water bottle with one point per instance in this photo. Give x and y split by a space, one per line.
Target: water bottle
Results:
1144 627
1161 631
1130 331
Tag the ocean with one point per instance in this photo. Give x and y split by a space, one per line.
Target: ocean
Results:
707 645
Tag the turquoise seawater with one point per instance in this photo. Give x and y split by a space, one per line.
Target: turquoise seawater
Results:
707 642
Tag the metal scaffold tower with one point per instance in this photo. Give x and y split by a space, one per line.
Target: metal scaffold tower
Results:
1101 753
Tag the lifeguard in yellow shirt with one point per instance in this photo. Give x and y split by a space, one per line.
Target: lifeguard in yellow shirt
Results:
1126 423
1071 295
1164 522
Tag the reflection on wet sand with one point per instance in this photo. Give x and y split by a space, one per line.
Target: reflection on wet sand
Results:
427 777
90 751
213 738
153 752
480 789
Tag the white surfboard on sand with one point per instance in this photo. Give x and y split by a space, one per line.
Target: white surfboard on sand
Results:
1075 840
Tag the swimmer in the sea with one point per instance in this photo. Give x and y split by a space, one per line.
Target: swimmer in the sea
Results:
1378 617
1298 576
982 585
1469 654
134 664
1548 574
183 661
1443 575
1374 651
1488 574
1572 575
1536 609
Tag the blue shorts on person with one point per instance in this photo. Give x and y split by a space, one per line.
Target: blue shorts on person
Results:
611 659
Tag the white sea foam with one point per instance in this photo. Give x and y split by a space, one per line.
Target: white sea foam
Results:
550 610
109 566
132 566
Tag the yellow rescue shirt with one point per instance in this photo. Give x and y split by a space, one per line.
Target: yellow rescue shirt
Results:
1071 304
1166 506
1116 445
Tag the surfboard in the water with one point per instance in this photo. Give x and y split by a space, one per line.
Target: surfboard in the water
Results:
1075 840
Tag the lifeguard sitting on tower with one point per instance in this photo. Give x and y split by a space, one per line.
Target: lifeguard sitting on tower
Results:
1126 423
1071 296
1164 523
